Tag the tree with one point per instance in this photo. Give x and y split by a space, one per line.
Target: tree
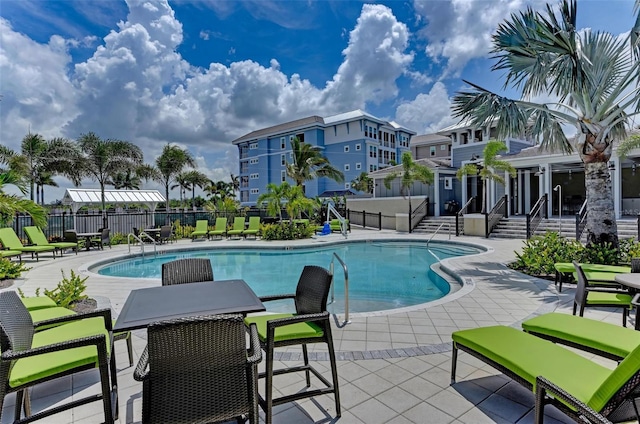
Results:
297 202
196 179
490 163
182 182
235 183
274 198
592 75
309 164
219 190
11 204
411 173
101 160
33 150
169 164
128 180
362 183
43 178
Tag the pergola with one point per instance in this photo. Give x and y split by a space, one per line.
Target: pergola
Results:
79 197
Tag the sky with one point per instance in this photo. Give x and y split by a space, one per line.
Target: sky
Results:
200 73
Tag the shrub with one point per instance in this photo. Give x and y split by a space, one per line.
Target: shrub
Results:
286 231
69 290
118 238
540 253
600 254
629 248
10 269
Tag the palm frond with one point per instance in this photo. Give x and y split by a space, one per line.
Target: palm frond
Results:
633 142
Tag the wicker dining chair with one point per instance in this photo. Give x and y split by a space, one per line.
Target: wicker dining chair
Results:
189 270
198 370
309 324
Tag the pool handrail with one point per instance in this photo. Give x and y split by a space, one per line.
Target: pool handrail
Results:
346 286
139 239
438 229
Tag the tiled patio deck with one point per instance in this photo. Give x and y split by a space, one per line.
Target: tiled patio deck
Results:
393 368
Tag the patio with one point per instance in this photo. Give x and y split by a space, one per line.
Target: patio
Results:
393 368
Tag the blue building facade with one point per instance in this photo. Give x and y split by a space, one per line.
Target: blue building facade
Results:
353 142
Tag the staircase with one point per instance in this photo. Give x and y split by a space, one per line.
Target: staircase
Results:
516 227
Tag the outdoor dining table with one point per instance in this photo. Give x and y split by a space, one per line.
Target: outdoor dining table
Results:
154 233
88 237
144 306
632 281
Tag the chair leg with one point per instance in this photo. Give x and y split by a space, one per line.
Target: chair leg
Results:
334 372
624 317
305 357
268 386
454 362
575 306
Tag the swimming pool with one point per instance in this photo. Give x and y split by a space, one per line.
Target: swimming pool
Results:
382 275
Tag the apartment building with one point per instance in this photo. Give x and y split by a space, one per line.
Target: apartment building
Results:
354 142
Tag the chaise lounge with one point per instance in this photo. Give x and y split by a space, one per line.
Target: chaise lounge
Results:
10 240
577 386
37 238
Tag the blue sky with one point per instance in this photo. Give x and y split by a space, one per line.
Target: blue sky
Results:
201 73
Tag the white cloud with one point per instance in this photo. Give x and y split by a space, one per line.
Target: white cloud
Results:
427 113
460 30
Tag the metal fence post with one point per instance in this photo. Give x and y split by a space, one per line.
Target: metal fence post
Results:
380 221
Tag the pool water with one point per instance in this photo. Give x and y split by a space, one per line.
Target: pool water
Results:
382 275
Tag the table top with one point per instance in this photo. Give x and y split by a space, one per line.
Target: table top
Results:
151 230
630 280
88 234
144 306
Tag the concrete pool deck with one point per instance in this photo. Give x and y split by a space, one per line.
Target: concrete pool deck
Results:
393 367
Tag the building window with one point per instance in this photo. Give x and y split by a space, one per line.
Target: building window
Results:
291 137
254 176
244 167
255 191
347 167
253 146
244 196
449 148
283 143
290 155
358 166
358 147
393 156
432 150
373 168
244 182
253 161
443 147
283 176
283 161
346 149
347 186
300 137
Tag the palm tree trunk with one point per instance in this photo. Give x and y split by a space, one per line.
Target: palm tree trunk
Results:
105 220
601 220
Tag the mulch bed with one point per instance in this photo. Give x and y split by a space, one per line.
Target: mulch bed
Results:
5 283
86 305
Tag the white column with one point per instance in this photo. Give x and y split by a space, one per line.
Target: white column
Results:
527 191
436 194
465 195
547 188
616 186
507 191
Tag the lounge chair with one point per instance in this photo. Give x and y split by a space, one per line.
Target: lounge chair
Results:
201 229
10 240
220 229
580 387
254 227
37 238
601 338
11 254
238 227
334 224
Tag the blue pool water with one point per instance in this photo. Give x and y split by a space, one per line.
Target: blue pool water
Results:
382 275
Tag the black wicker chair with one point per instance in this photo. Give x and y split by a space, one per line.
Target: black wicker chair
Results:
198 370
165 234
310 324
190 270
84 339
104 239
592 296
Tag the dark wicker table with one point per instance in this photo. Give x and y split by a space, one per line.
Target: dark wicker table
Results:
144 306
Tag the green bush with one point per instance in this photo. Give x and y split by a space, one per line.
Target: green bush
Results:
540 253
629 248
600 254
118 238
10 269
286 231
69 290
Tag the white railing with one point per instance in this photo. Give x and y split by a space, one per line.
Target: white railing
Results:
140 240
438 229
343 224
346 286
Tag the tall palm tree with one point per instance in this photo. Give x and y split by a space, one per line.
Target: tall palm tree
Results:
274 198
490 164
235 183
592 75
196 179
362 183
43 178
169 164
33 149
128 180
6 154
309 164
411 172
182 182
219 189
101 160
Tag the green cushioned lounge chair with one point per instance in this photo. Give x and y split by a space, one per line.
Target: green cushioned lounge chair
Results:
10 240
28 358
10 254
37 237
37 302
220 229
601 338
573 383
254 227
201 230
238 227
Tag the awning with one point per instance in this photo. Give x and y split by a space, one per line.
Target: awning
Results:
78 197
333 193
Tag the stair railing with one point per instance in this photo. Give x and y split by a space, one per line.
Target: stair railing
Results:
346 285
418 214
461 213
438 229
494 216
581 220
534 217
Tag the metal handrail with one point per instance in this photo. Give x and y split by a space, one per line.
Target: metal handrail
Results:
581 220
139 239
343 224
417 212
534 218
438 229
494 216
461 213
346 286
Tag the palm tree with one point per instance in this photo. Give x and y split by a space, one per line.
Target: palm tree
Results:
33 150
362 183
101 160
309 164
592 75
169 164
490 163
297 202
11 204
181 181
128 180
43 178
219 189
196 179
235 183
411 172
274 198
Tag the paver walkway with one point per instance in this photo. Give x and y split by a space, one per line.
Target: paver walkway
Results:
393 367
